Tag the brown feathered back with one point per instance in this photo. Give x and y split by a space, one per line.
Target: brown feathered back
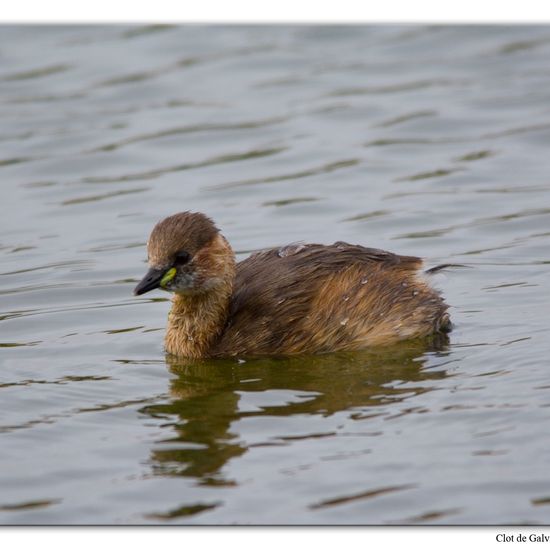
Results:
315 298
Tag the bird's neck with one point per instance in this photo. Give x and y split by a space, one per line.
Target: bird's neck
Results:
195 322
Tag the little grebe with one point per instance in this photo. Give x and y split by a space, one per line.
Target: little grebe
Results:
302 298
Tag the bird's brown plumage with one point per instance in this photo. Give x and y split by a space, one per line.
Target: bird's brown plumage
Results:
315 298
302 298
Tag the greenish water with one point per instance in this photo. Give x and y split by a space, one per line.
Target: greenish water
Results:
422 140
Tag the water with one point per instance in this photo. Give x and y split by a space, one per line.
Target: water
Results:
423 140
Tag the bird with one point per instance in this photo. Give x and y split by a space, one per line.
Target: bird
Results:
295 299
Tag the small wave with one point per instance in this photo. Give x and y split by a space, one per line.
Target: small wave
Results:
475 155
184 511
189 130
286 202
431 174
29 505
405 118
53 265
95 198
146 30
15 160
383 142
367 216
36 73
360 496
60 381
18 344
223 159
396 88
325 168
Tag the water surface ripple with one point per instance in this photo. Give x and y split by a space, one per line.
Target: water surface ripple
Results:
426 140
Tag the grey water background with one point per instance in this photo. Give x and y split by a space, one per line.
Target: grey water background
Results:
424 140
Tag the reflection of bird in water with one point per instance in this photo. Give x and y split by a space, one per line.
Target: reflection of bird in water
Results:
204 410
306 298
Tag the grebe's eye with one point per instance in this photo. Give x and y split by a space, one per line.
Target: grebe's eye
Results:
182 258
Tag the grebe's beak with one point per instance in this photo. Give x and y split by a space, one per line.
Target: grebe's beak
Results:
151 281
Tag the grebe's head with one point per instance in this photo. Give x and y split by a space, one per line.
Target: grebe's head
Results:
188 255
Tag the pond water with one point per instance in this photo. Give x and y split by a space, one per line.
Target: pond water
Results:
423 140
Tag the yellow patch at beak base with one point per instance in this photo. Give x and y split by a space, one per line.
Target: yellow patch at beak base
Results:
168 276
